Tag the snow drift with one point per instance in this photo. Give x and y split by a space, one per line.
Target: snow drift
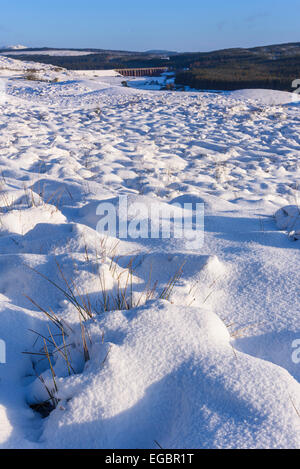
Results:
170 374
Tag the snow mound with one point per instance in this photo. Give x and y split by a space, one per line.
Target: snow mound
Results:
43 72
268 97
169 374
20 213
22 221
10 64
288 218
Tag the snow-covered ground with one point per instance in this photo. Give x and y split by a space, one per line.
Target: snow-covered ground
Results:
153 342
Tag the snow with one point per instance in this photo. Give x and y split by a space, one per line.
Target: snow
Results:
267 96
218 399
151 83
11 68
52 53
96 73
209 365
288 218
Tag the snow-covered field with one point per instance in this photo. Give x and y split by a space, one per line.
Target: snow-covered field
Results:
153 342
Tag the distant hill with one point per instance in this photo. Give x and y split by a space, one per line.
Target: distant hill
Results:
273 66
88 59
17 47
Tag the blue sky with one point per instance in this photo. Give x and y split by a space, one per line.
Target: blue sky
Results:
183 25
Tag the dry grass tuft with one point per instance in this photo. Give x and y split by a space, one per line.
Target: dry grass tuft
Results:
122 297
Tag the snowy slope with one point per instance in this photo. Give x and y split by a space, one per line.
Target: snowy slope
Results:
212 365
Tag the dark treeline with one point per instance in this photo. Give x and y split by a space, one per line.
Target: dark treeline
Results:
241 69
201 81
96 61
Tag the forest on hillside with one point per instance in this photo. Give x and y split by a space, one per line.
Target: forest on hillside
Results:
240 69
